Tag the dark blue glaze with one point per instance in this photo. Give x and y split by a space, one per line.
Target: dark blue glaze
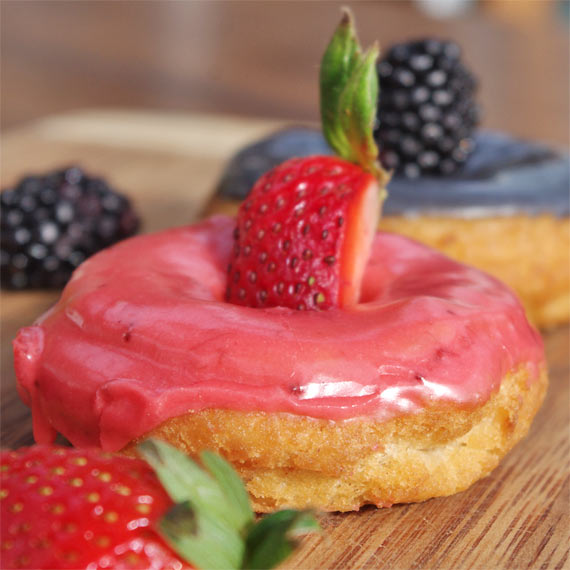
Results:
503 175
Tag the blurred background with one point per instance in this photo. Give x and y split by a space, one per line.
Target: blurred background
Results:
255 58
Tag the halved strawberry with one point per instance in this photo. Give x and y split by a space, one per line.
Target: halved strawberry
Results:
81 508
304 234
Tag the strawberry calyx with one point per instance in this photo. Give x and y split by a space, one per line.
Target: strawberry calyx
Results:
211 524
349 96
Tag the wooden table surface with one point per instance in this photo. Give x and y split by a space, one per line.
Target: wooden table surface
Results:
515 518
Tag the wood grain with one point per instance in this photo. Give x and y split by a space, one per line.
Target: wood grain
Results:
518 517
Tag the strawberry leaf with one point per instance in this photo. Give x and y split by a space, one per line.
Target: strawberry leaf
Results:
185 480
271 540
357 111
349 96
231 485
337 63
199 538
211 516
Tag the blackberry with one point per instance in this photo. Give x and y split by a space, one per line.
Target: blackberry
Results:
51 223
427 111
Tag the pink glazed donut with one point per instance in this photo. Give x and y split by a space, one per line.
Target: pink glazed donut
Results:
415 392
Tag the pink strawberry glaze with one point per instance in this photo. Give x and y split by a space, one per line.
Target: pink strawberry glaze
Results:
141 334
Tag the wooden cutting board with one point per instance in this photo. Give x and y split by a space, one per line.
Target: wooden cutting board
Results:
518 517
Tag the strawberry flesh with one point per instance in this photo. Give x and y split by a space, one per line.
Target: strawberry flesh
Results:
303 236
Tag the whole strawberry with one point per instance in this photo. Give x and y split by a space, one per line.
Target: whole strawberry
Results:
81 508
304 234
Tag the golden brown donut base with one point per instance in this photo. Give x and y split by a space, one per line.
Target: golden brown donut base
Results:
296 461
530 254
